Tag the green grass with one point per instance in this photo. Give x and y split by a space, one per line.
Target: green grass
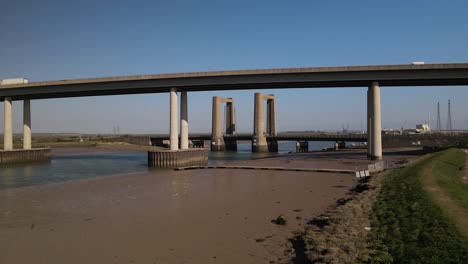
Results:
448 175
408 226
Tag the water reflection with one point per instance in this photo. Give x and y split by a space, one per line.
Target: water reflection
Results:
180 185
71 167
7 177
86 165
244 151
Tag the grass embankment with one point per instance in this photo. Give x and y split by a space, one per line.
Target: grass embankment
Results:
444 179
417 211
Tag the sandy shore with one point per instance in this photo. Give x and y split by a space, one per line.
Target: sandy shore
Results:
198 216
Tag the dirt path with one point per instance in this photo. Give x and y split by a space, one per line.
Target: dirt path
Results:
456 212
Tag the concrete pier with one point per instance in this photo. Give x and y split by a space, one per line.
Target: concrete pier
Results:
369 121
179 158
259 141
24 155
173 117
184 140
230 143
272 144
230 118
375 122
26 124
271 116
217 137
7 128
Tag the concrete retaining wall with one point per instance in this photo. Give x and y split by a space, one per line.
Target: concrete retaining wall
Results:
177 158
21 155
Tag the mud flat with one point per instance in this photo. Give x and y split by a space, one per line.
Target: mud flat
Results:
166 216
351 159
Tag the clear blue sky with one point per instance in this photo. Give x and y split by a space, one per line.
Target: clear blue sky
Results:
53 40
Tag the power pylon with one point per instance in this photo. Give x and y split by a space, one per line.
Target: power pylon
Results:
439 124
449 117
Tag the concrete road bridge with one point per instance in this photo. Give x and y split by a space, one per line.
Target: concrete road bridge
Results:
230 140
373 77
281 136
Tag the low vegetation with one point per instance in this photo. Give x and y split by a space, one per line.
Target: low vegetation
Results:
410 226
280 220
320 221
341 234
463 143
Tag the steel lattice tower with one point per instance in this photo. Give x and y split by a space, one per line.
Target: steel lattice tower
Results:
449 118
439 124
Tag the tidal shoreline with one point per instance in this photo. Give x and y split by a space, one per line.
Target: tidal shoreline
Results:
165 216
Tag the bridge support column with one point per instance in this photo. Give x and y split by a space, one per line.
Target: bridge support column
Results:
217 139
375 122
369 134
230 144
259 141
271 123
271 116
26 124
173 124
7 128
230 118
184 139
218 142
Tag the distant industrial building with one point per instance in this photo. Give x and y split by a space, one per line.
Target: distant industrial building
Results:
422 128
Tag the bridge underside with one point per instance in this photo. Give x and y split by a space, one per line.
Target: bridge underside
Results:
352 76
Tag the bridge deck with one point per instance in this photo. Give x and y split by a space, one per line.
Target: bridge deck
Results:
346 76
